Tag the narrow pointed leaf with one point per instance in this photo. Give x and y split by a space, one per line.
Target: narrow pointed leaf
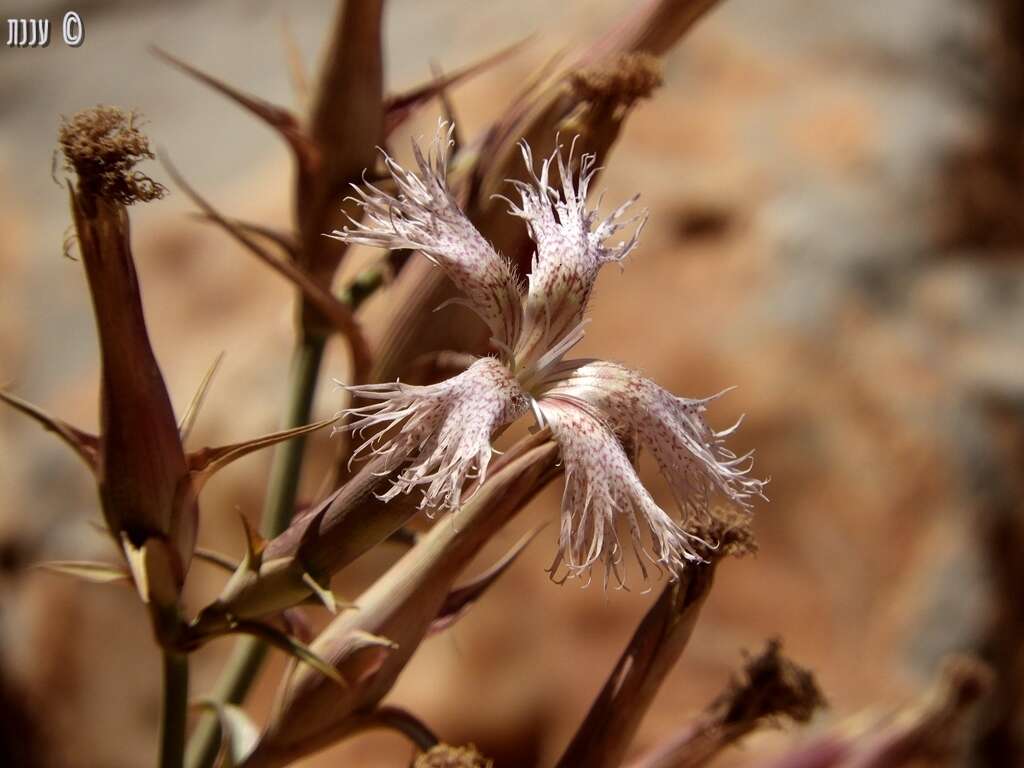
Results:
279 237
98 573
207 461
188 419
216 558
401 106
460 599
322 591
278 118
254 543
360 640
296 67
336 312
82 443
291 646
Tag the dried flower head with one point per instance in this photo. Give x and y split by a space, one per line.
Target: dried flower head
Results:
102 146
447 756
601 414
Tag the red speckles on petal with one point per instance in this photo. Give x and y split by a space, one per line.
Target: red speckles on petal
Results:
570 249
424 216
437 437
602 490
692 456
441 432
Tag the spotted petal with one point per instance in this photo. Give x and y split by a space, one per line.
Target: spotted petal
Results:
602 490
571 248
692 456
425 217
441 433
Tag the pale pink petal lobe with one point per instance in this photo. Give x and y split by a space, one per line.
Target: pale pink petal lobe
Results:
424 216
693 457
571 248
440 434
602 491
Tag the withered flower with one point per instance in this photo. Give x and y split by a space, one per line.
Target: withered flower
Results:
447 756
600 413
148 482
141 466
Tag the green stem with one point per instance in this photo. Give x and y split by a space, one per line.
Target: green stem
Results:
282 489
172 724
283 486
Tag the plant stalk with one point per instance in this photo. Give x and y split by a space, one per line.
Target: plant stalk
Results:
175 710
283 487
248 654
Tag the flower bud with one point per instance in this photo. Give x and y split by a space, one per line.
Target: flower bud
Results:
141 466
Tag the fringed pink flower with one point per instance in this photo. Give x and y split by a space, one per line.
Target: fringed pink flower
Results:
439 436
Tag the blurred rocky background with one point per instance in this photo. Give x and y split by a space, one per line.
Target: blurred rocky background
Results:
837 226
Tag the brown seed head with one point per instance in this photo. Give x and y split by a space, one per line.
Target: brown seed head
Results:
770 686
447 756
623 79
102 146
730 529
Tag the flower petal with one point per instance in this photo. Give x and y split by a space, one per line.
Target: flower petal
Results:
442 430
570 248
602 487
691 456
425 217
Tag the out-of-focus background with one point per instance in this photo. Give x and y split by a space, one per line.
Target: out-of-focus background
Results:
837 220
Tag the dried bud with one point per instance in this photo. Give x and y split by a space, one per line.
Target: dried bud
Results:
447 756
622 82
930 732
102 146
770 685
770 689
141 468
